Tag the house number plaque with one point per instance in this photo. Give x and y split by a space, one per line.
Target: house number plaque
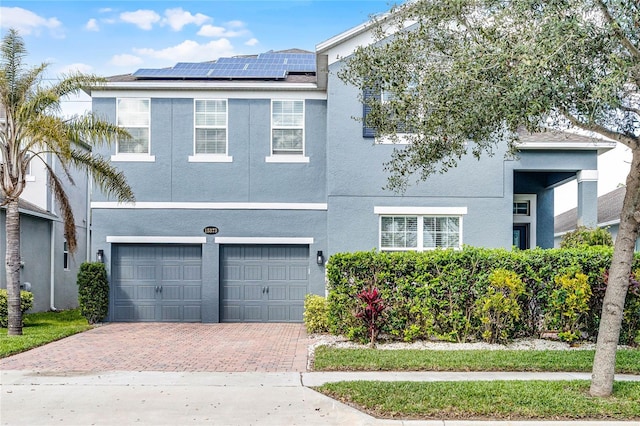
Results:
211 230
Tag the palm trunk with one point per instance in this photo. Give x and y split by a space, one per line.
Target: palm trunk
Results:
13 269
614 297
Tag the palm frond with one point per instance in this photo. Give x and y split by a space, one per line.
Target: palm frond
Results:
65 209
108 178
91 129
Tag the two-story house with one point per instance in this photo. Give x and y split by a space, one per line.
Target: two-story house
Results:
250 171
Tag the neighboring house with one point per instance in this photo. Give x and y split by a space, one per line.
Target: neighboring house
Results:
48 266
246 181
609 209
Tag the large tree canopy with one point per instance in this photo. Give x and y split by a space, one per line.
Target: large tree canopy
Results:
466 75
32 129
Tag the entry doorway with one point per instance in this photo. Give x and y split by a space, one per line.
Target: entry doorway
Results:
521 236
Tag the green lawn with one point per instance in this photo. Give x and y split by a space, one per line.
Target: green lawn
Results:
41 328
339 359
515 400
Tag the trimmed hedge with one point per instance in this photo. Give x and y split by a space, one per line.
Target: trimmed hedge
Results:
26 302
437 294
93 291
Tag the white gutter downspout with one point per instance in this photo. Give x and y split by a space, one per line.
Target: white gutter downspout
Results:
52 272
88 222
53 264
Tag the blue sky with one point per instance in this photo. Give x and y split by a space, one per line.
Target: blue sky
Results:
114 37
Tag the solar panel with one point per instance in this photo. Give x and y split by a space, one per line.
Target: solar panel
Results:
266 65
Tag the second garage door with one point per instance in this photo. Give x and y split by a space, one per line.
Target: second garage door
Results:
263 283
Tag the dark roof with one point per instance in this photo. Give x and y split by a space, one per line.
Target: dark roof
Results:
291 76
31 209
609 208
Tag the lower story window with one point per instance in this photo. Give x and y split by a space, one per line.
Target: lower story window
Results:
420 232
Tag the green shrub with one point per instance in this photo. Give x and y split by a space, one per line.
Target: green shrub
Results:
93 291
434 294
315 316
568 304
583 236
26 302
498 309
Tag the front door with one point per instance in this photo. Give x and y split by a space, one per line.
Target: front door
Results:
521 236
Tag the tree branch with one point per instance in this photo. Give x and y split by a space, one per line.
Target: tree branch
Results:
617 31
627 140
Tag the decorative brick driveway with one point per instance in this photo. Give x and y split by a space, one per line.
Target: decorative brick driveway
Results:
171 347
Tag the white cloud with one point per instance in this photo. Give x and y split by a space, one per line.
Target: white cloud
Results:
251 42
105 10
143 19
177 18
78 67
125 60
191 51
92 25
236 24
229 32
27 22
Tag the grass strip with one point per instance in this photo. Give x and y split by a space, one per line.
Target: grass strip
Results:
341 359
41 328
515 400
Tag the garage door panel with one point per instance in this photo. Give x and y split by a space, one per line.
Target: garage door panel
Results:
192 293
277 292
251 292
192 272
145 272
252 313
156 282
277 272
297 292
145 312
192 313
263 282
145 291
252 273
298 273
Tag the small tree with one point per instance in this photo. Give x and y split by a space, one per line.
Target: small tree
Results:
93 291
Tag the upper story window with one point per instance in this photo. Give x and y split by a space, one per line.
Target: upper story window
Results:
521 208
133 114
287 129
385 100
211 126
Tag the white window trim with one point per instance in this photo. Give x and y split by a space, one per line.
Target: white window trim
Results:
531 219
211 158
142 158
135 239
400 139
129 156
299 158
263 240
420 213
286 159
66 260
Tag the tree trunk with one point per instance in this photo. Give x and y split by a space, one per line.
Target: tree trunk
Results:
12 227
613 305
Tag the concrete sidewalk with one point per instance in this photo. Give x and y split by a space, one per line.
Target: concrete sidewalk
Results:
177 398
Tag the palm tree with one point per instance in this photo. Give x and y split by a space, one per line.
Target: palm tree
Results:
31 129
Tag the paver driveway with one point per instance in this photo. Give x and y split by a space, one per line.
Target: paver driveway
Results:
171 347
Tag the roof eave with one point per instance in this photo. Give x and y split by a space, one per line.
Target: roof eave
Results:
600 146
186 85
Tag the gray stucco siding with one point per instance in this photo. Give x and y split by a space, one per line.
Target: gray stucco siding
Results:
231 223
249 178
354 226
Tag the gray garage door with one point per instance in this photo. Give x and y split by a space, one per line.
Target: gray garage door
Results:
263 283
156 282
